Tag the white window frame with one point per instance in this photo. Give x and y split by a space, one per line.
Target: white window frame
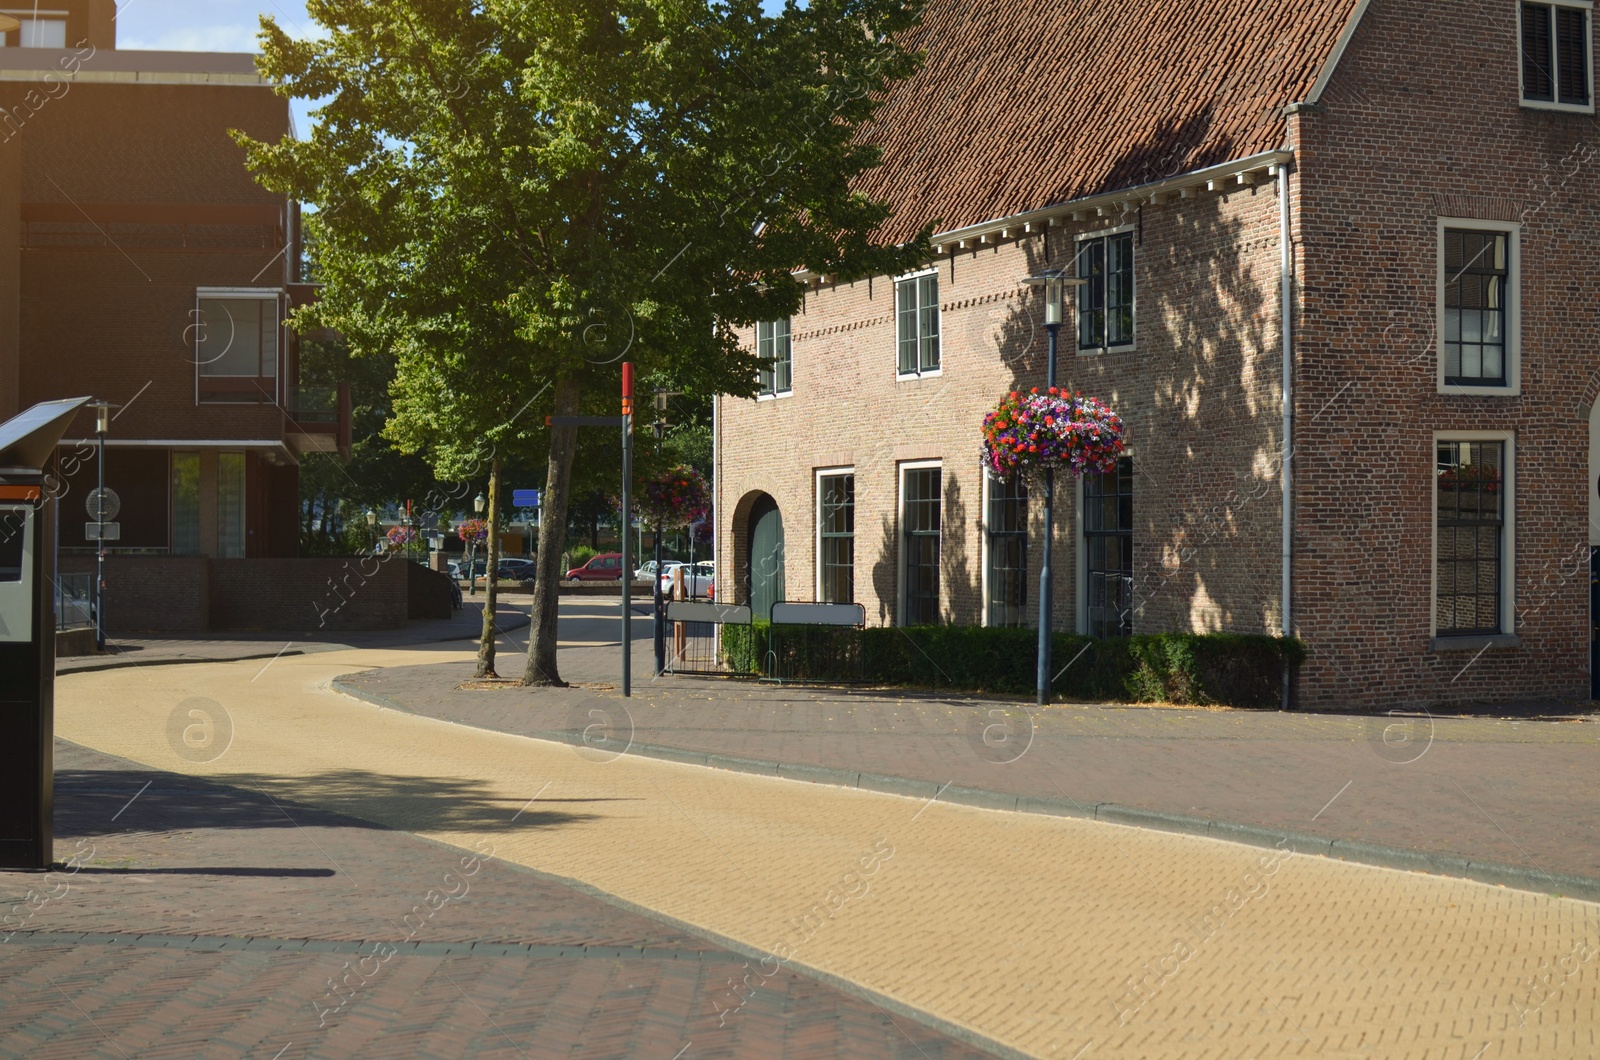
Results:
900 470
1507 637
983 550
776 393
263 294
895 314
1513 229
1072 292
1586 6
816 520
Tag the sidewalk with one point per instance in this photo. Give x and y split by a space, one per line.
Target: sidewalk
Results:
210 920
1519 792
1044 935
465 624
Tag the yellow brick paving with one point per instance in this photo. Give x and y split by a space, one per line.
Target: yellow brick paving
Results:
1057 937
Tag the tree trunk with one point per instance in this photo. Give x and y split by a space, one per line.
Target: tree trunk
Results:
542 636
491 585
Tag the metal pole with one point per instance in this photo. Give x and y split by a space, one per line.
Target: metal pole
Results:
661 620
100 552
1045 580
627 525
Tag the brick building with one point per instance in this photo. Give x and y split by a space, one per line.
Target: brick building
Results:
140 263
1395 197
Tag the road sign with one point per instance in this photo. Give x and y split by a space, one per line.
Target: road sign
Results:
113 531
524 498
103 504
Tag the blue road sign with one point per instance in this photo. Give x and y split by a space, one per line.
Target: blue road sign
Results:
525 498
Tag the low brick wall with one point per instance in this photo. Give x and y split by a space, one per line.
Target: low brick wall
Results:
187 594
167 594
311 594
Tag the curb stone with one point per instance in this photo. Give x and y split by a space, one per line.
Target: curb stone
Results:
1479 870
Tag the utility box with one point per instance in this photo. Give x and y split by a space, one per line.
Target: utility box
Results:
28 632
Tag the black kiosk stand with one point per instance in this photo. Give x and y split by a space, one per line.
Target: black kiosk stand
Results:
28 632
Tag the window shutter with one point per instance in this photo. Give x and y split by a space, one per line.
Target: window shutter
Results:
1572 55
1538 81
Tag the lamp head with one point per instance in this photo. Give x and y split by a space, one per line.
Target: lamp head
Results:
372 519
479 504
102 415
1055 283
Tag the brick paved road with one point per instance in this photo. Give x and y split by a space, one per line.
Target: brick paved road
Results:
221 915
1518 791
1058 937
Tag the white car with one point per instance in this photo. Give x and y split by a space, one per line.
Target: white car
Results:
696 580
648 571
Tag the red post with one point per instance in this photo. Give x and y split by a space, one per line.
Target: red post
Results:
627 388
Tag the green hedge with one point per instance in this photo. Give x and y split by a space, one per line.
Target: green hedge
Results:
1233 669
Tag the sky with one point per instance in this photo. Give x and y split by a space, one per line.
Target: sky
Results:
208 26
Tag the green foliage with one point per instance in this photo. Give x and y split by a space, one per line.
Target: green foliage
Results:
579 555
1232 669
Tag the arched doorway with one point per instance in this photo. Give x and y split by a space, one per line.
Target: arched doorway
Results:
764 572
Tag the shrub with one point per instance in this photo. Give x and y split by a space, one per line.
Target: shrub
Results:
1233 669
578 555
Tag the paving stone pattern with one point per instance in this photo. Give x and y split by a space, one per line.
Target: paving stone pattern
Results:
1048 936
208 920
1519 791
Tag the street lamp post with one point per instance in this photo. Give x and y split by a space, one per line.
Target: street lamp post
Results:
1055 283
372 528
479 505
102 427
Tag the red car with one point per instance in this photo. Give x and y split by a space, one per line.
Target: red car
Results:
605 567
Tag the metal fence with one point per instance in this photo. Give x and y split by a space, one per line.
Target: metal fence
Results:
698 640
816 642
74 601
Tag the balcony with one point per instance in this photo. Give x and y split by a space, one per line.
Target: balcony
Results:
319 419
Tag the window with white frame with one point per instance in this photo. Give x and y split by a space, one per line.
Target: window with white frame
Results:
42 32
236 333
836 534
1006 548
776 351
921 490
1105 299
1557 59
1473 518
917 324
1480 318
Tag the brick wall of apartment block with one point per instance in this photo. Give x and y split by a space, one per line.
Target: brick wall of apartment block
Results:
1200 394
1423 121
308 594
144 594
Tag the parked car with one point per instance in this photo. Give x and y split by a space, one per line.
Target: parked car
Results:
606 567
516 569
648 571
696 580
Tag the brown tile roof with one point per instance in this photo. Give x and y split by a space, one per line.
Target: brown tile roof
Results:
1025 103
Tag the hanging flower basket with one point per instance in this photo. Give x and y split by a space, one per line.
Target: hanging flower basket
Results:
400 537
473 530
673 499
1051 429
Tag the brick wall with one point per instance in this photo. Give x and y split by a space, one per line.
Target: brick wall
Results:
180 594
1199 392
1422 121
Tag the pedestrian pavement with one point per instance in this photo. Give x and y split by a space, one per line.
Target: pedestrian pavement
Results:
464 624
1039 935
201 919
1517 792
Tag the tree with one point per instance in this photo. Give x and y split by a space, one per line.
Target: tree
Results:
517 195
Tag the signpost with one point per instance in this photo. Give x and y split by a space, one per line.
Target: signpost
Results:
28 633
625 421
